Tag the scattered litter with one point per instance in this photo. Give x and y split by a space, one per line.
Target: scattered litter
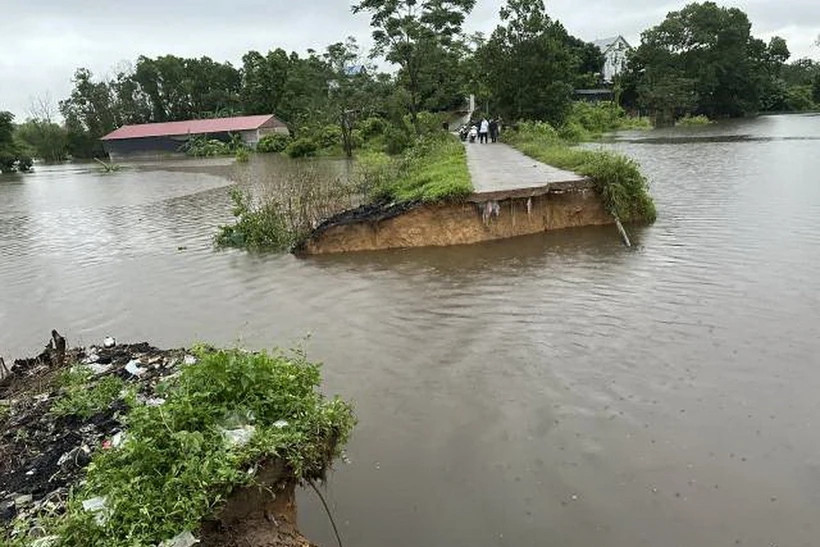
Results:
97 368
189 360
99 507
185 539
76 457
46 541
109 342
42 398
280 424
133 367
118 440
240 436
23 501
155 401
90 359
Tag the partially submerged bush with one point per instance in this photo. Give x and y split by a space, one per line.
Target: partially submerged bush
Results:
618 179
201 146
302 148
693 121
180 461
587 121
274 143
286 209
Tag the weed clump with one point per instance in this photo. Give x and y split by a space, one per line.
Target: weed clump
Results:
693 121
80 398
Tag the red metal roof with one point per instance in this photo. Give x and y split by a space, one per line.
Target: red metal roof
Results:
193 127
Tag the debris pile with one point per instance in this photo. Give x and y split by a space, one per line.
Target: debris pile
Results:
43 452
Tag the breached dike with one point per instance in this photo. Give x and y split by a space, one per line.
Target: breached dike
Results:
484 216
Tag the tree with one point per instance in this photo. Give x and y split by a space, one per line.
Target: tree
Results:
345 91
45 138
12 157
529 66
712 47
410 33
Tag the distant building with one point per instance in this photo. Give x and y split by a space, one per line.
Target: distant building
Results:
153 140
615 51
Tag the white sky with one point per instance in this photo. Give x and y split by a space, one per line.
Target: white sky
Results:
42 42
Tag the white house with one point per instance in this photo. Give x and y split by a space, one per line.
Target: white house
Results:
615 50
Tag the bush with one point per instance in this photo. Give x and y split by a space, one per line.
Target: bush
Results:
242 155
201 146
302 148
397 140
693 121
329 136
261 227
372 127
274 143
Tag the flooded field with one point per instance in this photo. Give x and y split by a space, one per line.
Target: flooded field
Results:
549 390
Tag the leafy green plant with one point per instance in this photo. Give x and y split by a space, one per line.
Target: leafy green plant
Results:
242 155
617 179
693 121
274 143
80 397
302 147
260 226
176 466
201 146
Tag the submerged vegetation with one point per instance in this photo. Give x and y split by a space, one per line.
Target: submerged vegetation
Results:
692 121
617 178
217 421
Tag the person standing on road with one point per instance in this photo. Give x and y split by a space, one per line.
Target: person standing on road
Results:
494 130
483 131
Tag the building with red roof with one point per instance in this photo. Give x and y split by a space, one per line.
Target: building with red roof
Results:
152 140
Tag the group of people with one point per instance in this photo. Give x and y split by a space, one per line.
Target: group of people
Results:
484 131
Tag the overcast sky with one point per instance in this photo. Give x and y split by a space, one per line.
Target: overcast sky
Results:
43 41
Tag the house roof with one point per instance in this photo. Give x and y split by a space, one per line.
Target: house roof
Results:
606 43
191 127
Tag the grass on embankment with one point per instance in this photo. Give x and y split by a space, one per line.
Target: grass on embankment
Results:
617 178
178 464
434 169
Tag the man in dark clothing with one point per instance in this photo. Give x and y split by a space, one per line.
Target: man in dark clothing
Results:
494 130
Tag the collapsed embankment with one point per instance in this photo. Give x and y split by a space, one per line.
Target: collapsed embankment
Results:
480 217
130 444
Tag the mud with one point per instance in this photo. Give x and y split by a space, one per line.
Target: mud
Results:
480 218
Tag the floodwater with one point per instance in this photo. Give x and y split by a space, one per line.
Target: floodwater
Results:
551 390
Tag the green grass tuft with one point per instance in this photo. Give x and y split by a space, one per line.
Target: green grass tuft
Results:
693 121
80 398
435 169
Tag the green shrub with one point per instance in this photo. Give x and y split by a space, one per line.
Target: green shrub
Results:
693 121
274 143
397 140
242 155
329 136
302 148
372 127
78 399
201 146
258 227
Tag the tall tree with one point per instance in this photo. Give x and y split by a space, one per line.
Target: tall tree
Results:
346 91
529 65
712 47
12 157
409 32
45 138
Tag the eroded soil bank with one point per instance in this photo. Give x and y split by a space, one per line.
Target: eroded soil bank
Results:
44 453
482 217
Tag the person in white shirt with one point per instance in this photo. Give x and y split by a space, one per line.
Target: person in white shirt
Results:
473 133
484 131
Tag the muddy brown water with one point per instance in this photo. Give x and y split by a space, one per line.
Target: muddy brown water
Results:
550 390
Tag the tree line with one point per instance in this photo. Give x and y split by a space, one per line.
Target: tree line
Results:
702 59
